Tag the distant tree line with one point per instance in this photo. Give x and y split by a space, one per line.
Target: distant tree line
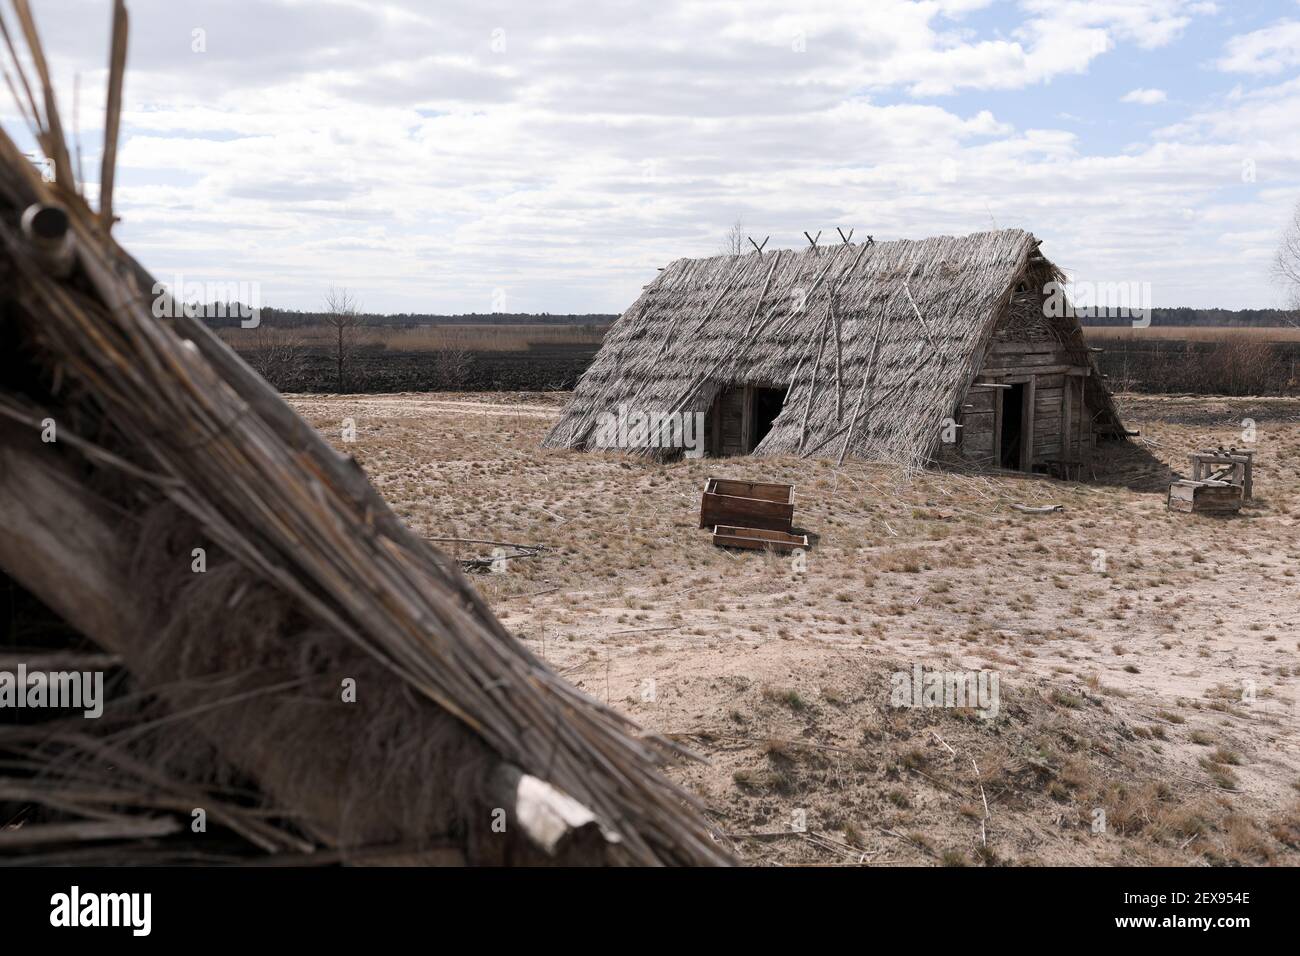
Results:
1225 318
228 316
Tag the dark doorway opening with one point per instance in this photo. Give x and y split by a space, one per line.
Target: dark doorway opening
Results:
767 405
1013 413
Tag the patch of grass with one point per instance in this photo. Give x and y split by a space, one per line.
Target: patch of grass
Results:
1221 775
1225 755
786 697
1065 699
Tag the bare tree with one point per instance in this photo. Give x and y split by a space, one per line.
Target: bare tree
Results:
276 354
452 366
343 315
735 242
1287 265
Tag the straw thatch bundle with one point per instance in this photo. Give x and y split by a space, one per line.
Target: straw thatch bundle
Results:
876 343
226 683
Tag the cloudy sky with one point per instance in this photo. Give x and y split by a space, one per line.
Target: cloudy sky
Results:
547 156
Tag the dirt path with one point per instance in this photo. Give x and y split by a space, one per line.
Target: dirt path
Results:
406 406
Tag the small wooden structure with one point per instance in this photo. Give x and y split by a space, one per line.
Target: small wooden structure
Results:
1232 465
747 504
756 539
1211 497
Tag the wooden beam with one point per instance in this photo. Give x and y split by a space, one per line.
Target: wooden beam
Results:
812 387
1040 370
112 115
997 423
1027 426
1085 433
1067 399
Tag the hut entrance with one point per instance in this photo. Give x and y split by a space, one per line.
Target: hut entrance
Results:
741 417
1013 414
767 405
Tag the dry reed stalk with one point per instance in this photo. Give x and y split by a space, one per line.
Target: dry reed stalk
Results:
293 512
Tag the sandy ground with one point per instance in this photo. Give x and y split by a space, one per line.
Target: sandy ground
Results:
1147 660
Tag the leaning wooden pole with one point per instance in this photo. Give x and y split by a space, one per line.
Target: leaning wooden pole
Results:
113 115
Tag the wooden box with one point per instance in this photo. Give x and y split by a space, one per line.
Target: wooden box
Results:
747 504
1213 497
757 539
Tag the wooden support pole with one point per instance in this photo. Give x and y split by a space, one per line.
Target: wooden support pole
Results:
920 318
866 375
999 389
812 387
112 115
1067 401
1028 422
857 406
839 355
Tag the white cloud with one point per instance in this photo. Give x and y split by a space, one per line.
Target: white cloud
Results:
1268 51
394 150
1145 97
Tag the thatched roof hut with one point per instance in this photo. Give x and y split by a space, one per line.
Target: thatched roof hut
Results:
908 352
287 663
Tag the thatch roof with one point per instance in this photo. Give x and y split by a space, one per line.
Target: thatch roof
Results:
227 682
893 330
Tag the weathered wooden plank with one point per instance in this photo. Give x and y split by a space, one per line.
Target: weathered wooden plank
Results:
1034 370
1204 497
1025 346
1036 359
977 446
997 425
1067 444
757 539
1027 428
